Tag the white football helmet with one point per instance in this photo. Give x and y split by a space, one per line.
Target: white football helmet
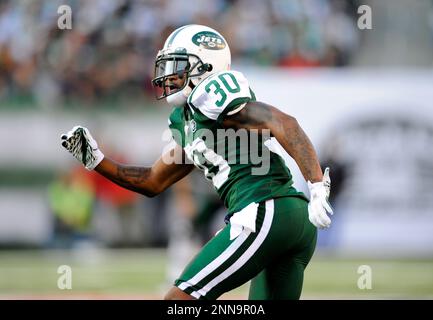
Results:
194 52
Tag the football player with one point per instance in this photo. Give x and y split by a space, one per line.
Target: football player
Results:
270 233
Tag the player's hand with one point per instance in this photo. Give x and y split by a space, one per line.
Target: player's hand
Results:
319 207
83 147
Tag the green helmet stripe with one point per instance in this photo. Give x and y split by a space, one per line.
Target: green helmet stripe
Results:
171 39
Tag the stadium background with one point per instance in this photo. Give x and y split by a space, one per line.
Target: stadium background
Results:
363 96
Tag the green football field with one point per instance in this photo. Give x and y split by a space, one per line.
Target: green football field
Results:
141 274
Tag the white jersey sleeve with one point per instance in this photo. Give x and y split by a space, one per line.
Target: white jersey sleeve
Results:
223 93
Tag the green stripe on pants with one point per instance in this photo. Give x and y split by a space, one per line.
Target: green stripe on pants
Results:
276 254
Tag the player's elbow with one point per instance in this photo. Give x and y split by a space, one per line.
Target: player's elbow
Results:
152 190
150 193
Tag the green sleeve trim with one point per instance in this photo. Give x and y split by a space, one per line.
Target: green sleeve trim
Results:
232 106
253 96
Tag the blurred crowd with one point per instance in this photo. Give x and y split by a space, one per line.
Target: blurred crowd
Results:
108 55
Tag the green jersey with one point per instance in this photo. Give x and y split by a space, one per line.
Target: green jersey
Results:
240 164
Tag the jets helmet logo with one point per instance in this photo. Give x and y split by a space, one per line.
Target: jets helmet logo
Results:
209 40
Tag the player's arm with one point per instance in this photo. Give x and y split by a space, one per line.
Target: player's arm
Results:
149 181
286 129
288 132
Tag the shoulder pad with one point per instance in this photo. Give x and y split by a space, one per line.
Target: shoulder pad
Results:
222 93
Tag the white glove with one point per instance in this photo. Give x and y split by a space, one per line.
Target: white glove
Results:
83 147
319 205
